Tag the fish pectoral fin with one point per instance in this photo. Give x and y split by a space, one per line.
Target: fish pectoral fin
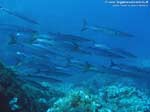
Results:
86 69
84 26
84 29
112 64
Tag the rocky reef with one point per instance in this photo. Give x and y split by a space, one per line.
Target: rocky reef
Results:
109 99
76 101
19 96
123 99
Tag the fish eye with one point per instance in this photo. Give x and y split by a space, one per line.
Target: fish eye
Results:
18 34
18 53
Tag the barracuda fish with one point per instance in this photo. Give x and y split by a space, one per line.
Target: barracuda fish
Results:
74 48
42 66
125 53
32 82
90 68
69 37
43 72
105 52
74 62
105 30
34 59
17 38
18 15
21 38
30 52
45 42
48 50
78 64
118 51
78 49
43 38
40 50
23 58
85 66
131 68
36 84
120 73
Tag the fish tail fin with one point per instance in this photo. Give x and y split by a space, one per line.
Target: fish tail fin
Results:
75 46
84 26
86 67
112 64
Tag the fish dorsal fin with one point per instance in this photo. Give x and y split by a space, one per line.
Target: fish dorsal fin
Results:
112 64
84 26
85 23
75 46
87 66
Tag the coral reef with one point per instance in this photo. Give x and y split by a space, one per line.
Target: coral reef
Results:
123 99
76 101
110 99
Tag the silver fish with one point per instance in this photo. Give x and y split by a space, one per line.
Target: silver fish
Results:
69 37
105 52
131 68
18 15
105 30
124 52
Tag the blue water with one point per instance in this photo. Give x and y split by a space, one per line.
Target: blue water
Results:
66 16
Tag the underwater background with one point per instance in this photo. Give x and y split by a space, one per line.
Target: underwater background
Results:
74 56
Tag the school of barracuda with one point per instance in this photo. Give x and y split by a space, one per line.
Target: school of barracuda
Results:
56 57
52 55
